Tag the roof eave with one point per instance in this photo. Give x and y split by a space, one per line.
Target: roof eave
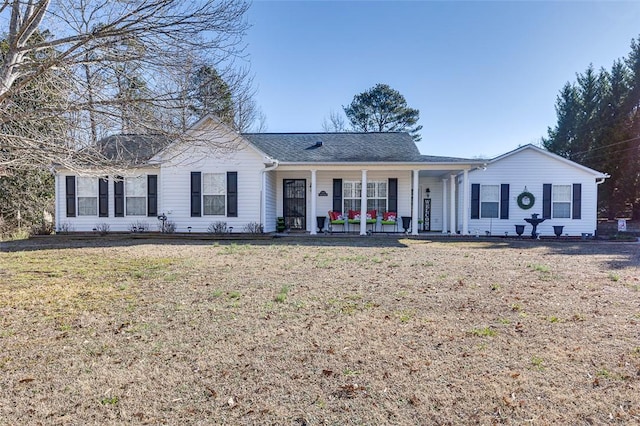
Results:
382 163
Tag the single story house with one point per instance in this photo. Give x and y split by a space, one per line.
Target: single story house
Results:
256 178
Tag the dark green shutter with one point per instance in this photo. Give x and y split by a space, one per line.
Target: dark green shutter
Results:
337 195
475 201
232 194
152 195
118 196
71 195
546 201
393 195
577 201
196 199
504 201
103 197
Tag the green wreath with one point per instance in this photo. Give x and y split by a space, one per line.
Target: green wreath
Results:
526 200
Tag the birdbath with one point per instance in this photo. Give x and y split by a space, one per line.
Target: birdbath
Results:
534 221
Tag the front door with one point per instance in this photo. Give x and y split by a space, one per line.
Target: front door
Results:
426 215
295 204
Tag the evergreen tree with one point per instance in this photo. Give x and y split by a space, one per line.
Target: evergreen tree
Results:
561 139
383 109
631 151
211 94
598 125
607 154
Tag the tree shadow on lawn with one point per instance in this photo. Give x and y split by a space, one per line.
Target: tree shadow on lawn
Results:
57 242
628 254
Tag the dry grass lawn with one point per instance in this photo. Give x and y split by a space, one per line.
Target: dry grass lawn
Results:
325 331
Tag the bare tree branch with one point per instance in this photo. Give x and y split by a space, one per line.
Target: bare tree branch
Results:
335 123
74 71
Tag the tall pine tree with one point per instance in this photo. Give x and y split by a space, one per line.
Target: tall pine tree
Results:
598 125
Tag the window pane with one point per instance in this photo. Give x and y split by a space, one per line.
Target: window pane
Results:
136 186
136 206
382 189
347 190
562 210
351 204
488 210
377 204
490 193
87 206
87 187
213 184
371 189
561 193
214 205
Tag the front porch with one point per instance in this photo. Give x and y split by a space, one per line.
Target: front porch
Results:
433 199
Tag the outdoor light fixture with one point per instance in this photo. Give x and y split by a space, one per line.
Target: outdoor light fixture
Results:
428 191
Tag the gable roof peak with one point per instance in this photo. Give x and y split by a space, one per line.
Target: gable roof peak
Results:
550 154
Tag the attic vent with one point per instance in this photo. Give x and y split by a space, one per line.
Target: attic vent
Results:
318 144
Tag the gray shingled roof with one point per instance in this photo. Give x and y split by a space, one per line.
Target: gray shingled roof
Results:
132 149
293 148
344 147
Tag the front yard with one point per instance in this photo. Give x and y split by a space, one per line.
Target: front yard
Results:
319 331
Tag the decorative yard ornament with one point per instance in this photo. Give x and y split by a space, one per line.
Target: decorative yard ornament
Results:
526 200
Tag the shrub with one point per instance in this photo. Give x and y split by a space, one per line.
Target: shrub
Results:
65 228
253 228
169 227
102 228
139 227
218 228
43 228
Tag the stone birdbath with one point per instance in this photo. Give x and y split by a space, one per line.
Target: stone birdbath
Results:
534 221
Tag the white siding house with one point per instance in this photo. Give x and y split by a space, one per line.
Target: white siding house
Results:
561 192
216 176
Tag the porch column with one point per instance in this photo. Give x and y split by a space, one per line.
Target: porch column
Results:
363 204
465 202
452 211
414 208
444 206
313 202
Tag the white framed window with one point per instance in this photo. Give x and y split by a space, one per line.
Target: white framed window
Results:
214 194
377 196
561 201
135 196
489 201
351 195
87 193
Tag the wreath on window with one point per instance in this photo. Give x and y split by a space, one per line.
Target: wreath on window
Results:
526 200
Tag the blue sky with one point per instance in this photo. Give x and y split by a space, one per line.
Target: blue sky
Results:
484 75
